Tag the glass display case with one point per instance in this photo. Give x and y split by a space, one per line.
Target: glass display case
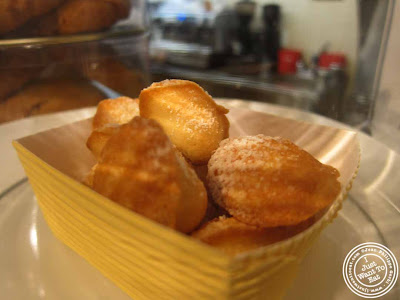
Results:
63 57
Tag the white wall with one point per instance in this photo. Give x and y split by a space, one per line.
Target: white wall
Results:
307 24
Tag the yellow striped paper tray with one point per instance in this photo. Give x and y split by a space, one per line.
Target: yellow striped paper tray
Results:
150 261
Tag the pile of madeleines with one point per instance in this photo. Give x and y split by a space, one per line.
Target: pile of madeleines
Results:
168 157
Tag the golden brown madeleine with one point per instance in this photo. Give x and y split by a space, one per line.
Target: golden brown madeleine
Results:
137 169
232 236
99 138
14 13
115 111
98 15
266 181
193 203
189 116
140 169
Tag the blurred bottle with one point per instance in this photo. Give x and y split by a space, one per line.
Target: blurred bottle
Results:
271 33
332 76
245 12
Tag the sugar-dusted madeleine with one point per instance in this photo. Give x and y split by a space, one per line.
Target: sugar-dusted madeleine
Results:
232 236
115 111
140 169
266 181
189 116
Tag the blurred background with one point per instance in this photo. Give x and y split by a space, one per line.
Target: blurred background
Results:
336 58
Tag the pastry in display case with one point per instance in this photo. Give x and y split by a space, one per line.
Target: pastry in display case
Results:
48 96
14 14
60 55
58 17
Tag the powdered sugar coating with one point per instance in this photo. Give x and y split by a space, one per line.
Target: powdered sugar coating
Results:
269 181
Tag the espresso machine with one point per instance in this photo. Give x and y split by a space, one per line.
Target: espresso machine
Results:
197 36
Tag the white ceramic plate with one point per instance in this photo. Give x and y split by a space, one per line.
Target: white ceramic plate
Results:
35 265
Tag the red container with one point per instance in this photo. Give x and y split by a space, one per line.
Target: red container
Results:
330 59
287 59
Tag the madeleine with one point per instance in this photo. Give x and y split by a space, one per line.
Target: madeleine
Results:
140 169
269 181
190 117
